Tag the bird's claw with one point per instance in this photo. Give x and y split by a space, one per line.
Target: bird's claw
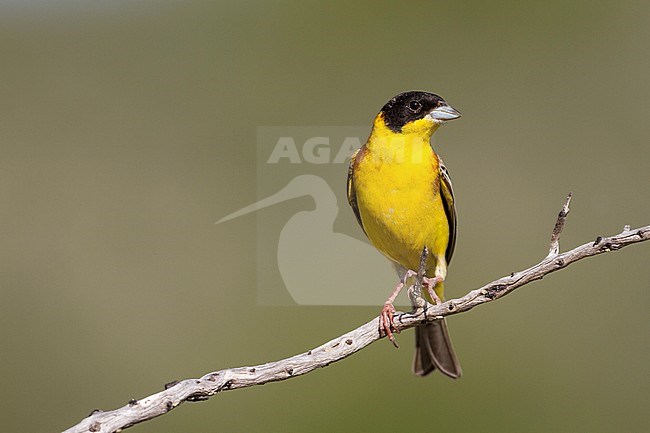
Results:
430 284
386 323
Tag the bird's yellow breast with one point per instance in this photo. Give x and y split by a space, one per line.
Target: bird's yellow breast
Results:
397 183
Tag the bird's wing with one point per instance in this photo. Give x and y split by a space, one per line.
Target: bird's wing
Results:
352 194
447 194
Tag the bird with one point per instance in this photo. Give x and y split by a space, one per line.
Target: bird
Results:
402 197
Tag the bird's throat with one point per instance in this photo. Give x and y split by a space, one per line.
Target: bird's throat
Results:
411 146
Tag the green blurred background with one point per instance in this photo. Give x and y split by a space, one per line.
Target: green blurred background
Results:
128 128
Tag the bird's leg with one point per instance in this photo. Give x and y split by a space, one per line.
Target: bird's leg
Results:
386 323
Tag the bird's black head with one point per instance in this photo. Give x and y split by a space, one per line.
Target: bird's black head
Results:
415 105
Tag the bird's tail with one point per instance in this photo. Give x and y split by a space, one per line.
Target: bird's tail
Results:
433 348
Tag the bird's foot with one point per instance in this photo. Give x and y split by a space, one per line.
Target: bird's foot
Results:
430 284
386 323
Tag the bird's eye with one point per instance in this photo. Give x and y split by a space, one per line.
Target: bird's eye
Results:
415 106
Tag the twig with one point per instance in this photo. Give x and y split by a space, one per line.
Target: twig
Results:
554 248
341 347
415 291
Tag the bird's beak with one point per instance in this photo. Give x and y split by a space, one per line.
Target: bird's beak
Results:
443 113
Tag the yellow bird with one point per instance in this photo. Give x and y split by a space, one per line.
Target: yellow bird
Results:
401 194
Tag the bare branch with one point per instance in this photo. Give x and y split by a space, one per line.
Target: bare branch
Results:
341 347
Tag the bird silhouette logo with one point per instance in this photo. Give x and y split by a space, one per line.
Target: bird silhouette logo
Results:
318 265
